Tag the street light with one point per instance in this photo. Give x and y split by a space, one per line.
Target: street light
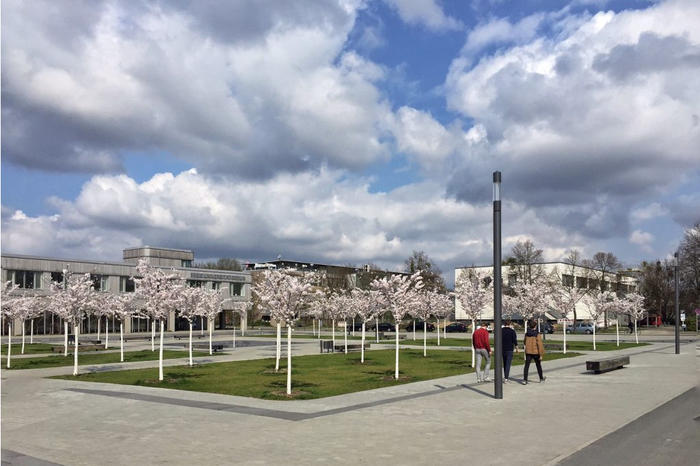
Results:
497 331
678 313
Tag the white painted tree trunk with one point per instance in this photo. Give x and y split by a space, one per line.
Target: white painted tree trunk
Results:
191 364
333 333
425 338
617 330
414 329
210 334
564 337
99 324
23 325
289 359
9 343
234 336
201 325
320 324
353 326
106 334
438 329
376 327
636 335
473 353
121 341
65 338
594 326
76 330
160 352
313 327
345 332
396 372
153 335
279 346
362 348
31 332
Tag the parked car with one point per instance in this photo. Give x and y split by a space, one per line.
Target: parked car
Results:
581 327
546 327
357 327
457 327
383 327
419 326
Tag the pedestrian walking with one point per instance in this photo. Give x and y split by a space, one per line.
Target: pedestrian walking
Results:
630 325
509 343
482 350
534 350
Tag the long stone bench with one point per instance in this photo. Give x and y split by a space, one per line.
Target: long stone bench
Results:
608 364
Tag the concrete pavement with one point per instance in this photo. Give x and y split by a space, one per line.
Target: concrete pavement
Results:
443 421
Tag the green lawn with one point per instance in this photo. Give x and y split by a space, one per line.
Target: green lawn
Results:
314 376
34 348
96 358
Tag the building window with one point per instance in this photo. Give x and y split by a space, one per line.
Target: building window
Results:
567 280
195 283
512 279
57 277
593 284
126 284
581 282
215 285
99 282
186 263
236 289
25 278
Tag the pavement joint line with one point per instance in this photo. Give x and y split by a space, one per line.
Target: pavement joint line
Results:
10 457
297 416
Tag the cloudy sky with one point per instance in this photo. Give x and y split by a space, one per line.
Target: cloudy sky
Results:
350 131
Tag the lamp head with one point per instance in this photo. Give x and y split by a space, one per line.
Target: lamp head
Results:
497 186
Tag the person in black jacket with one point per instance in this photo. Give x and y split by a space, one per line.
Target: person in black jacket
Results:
509 343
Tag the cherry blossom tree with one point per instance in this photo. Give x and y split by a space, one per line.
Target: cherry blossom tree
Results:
565 299
473 296
421 307
395 291
73 303
241 308
211 307
341 307
10 308
598 304
533 298
124 307
286 297
190 307
441 305
367 305
266 289
159 293
633 304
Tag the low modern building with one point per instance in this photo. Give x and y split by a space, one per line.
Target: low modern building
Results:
34 275
570 275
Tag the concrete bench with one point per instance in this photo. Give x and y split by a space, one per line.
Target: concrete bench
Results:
187 337
81 347
382 336
608 364
205 347
351 347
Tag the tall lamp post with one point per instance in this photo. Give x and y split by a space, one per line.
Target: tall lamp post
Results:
678 313
497 331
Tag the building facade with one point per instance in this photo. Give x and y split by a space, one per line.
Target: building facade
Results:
570 275
34 275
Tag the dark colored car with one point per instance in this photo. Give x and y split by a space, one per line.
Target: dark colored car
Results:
383 327
546 327
419 326
457 327
357 327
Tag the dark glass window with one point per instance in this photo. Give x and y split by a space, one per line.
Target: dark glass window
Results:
195 283
57 277
126 284
236 289
25 278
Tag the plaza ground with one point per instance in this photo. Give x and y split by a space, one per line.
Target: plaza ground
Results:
440 421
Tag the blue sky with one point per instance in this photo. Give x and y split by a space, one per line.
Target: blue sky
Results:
349 132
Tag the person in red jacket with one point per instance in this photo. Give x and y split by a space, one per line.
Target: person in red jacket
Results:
482 350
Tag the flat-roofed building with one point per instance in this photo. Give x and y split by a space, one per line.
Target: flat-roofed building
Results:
34 275
583 277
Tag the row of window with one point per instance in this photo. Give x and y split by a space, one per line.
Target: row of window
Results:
32 280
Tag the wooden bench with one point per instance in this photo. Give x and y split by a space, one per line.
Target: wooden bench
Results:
604 365
205 347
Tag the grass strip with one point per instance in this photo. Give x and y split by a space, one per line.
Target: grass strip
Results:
97 358
314 376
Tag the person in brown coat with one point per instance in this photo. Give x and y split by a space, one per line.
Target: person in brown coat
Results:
534 349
